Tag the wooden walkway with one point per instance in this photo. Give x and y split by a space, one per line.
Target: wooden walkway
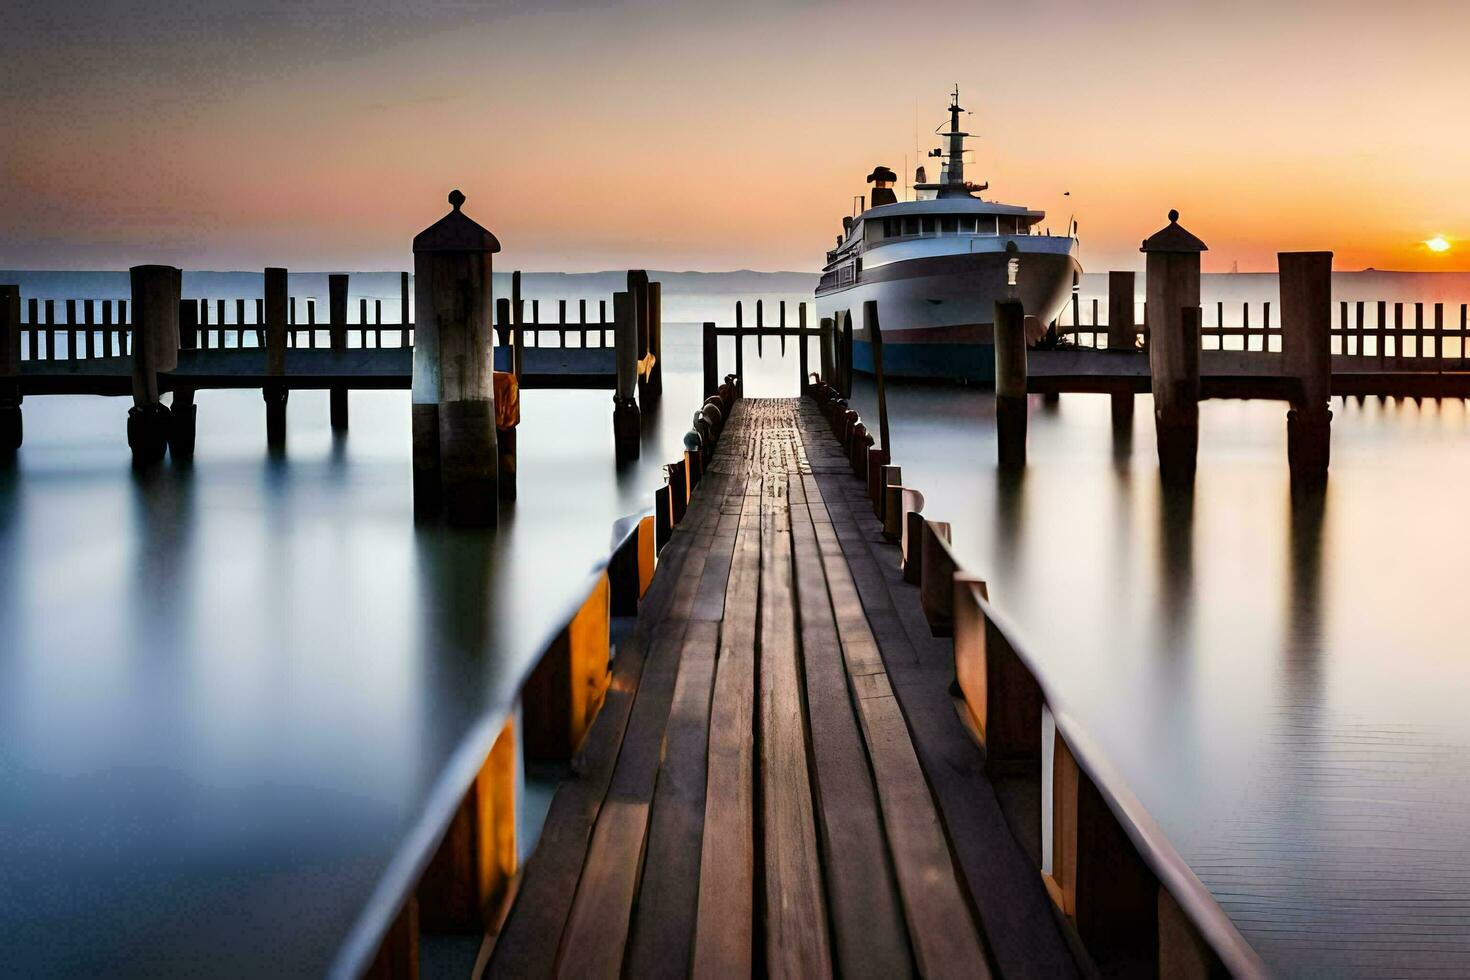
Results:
779 781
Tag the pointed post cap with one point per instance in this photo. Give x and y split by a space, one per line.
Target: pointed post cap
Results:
455 232
1173 238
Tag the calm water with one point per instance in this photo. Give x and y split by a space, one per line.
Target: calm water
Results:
1284 683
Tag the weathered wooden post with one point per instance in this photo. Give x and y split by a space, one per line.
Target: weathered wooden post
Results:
739 352
711 360
801 351
275 391
627 419
1010 383
507 420
454 450
1306 350
337 327
517 326
155 348
12 429
824 351
638 298
656 339
881 455
1172 284
1122 338
405 322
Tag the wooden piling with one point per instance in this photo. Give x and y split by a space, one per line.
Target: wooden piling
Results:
275 392
337 332
405 322
1306 349
656 339
1173 297
801 351
884 455
824 351
155 348
711 359
739 351
12 430
1122 337
1010 384
453 377
627 418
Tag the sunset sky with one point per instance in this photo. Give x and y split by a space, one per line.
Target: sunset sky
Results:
323 135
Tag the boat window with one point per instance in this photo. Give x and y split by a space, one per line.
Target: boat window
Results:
926 226
967 226
1005 226
910 226
949 225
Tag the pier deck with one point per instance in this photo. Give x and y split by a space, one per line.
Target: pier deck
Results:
779 780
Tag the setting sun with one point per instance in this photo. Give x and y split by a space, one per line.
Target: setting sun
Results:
1438 244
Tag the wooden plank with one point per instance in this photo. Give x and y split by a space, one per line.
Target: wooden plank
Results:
795 922
945 939
1014 910
594 942
868 934
724 929
530 940
662 938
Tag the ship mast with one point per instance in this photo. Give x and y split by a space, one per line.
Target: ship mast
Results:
956 142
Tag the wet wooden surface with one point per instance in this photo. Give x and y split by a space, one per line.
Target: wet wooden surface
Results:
785 786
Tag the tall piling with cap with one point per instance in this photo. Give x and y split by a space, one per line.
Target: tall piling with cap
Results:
455 458
1122 339
1172 274
627 420
1306 351
156 290
274 389
337 333
12 429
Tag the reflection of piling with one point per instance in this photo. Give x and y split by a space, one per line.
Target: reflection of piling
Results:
155 348
1306 350
1010 383
274 389
1122 337
337 333
1173 302
12 430
626 417
455 454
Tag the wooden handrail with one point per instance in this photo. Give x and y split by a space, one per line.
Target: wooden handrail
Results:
1202 914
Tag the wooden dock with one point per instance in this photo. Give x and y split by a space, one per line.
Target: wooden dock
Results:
786 785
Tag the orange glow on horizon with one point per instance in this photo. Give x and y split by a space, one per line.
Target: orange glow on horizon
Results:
735 147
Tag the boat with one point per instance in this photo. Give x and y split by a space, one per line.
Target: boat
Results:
937 264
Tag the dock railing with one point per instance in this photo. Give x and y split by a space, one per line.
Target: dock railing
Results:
458 870
459 874
1381 334
1132 900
